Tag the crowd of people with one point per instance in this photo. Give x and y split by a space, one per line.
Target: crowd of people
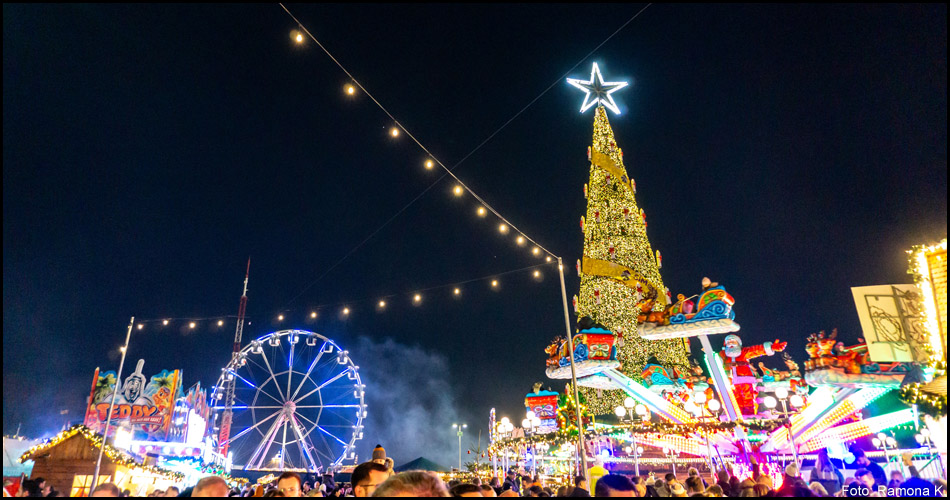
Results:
376 478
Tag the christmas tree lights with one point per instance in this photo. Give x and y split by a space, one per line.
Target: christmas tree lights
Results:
619 269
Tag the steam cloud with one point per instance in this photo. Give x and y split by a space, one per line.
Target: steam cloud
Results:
410 403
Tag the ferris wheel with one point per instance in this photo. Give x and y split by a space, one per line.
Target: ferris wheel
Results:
298 403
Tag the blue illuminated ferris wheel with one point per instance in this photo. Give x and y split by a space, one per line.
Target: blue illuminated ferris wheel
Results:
298 403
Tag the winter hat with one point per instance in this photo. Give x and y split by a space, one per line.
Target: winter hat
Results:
379 453
651 481
791 470
678 490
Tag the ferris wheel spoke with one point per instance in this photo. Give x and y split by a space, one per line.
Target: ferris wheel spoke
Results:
309 370
290 369
262 448
249 429
321 386
302 444
272 375
344 443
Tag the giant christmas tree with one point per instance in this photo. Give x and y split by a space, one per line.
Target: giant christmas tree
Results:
619 270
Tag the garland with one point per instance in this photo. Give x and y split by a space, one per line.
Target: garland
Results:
118 457
562 436
927 403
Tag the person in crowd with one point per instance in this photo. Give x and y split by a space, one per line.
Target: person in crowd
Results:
818 489
487 490
172 491
367 476
614 485
790 481
694 485
746 488
495 484
761 490
534 491
826 474
661 488
289 484
412 484
210 486
103 490
465 490
513 482
580 487
866 478
862 461
713 491
678 491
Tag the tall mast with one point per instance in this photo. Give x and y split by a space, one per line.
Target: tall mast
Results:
225 434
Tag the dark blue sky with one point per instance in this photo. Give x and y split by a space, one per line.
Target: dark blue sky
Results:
789 152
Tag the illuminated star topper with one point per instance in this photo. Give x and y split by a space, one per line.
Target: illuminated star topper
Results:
597 90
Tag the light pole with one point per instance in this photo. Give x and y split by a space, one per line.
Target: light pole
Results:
460 427
670 452
529 424
115 392
543 448
796 401
505 427
697 406
923 438
629 409
883 441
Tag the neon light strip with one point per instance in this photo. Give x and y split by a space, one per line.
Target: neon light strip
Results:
721 380
857 430
819 403
843 410
659 405
678 443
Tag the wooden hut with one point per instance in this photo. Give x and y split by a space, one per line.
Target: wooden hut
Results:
67 461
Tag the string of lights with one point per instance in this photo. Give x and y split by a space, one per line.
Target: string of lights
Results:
345 308
431 161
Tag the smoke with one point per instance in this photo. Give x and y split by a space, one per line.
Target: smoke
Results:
410 403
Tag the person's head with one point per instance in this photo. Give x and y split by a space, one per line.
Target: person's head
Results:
714 491
487 490
694 484
859 457
511 474
211 486
415 483
466 490
453 483
366 477
105 490
818 489
289 484
722 476
172 491
761 490
677 490
746 488
495 482
692 471
791 470
534 491
580 482
766 480
824 462
896 475
670 478
614 485
864 477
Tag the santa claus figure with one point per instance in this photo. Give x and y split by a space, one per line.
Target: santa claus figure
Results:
736 359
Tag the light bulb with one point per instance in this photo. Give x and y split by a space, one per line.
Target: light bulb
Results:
520 240
417 298
881 436
346 310
502 228
536 251
629 402
714 405
620 411
165 322
280 317
699 398
220 322
781 393
925 432
494 283
350 90
140 326
876 442
457 291
641 410
394 132
770 402
797 401
481 211
191 325
299 38
382 303
458 191
313 314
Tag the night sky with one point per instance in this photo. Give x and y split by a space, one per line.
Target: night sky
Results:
788 152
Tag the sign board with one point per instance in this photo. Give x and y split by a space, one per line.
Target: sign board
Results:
892 322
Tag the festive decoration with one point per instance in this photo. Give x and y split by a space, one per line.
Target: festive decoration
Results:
597 91
928 403
928 266
628 278
831 363
736 360
714 315
594 350
118 457
544 405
